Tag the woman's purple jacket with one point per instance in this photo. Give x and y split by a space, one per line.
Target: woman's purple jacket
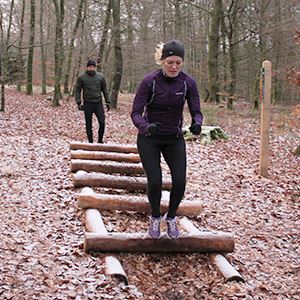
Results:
160 99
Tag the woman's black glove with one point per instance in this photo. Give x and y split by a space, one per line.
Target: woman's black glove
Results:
107 107
195 128
153 129
80 106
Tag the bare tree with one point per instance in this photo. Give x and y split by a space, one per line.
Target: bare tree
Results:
29 88
20 55
118 63
58 50
5 45
71 46
213 51
103 41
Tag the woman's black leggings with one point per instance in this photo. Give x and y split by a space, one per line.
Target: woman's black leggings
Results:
174 153
96 108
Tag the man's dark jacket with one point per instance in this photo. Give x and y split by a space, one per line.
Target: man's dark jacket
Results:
91 88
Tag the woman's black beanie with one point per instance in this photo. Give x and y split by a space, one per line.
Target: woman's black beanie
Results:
173 47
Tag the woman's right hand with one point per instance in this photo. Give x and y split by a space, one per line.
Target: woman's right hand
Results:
153 129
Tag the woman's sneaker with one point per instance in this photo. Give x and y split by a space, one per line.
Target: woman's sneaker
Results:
172 229
154 227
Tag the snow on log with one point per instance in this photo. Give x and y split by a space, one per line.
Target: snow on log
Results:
141 242
82 178
106 166
222 264
123 148
100 155
87 198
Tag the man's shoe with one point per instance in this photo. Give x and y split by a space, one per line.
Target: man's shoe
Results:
172 229
154 227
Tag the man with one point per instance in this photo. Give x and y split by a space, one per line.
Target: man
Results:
92 83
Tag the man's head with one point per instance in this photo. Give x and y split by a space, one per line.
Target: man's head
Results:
91 67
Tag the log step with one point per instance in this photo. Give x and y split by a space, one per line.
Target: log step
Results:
100 155
82 178
106 167
122 148
141 242
87 198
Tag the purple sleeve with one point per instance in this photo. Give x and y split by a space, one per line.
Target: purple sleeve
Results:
138 107
193 101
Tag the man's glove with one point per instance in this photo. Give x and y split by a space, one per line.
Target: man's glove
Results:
107 107
195 128
153 129
80 106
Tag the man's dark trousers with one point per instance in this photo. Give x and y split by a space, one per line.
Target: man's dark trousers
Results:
96 108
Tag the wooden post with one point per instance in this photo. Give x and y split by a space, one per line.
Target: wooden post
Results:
265 97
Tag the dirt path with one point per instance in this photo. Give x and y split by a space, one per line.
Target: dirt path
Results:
41 253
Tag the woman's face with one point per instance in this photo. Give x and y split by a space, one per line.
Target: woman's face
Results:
172 65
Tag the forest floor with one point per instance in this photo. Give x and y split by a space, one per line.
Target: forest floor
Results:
41 247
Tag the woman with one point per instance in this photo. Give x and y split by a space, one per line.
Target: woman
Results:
157 112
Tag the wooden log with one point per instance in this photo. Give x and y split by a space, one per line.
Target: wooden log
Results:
87 198
122 148
225 268
82 178
141 242
106 167
94 223
114 268
222 264
100 155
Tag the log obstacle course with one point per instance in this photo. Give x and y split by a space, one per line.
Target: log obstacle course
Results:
119 167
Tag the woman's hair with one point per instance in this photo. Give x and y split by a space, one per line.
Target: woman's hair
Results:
158 53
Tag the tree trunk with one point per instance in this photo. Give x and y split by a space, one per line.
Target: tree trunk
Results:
71 47
130 48
4 53
58 51
178 19
43 54
213 52
81 46
29 89
104 36
118 62
232 40
20 57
